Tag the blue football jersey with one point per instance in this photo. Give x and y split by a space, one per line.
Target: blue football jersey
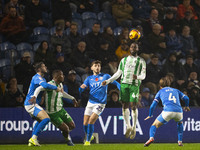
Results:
170 98
35 82
98 93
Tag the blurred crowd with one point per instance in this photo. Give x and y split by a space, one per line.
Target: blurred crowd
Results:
80 31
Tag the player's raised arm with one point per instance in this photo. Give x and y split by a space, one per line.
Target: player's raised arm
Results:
185 98
49 86
66 95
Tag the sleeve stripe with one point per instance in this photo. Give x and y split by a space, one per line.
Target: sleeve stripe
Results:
156 100
41 82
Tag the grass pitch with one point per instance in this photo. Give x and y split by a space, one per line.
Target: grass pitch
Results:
154 146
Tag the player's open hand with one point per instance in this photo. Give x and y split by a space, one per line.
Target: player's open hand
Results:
75 103
83 86
103 83
147 118
32 100
186 108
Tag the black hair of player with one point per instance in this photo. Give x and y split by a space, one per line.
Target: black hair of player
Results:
95 62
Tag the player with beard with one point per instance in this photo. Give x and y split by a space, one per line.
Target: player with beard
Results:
97 98
32 105
133 71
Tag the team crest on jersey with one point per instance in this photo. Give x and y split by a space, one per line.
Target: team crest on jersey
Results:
101 78
96 79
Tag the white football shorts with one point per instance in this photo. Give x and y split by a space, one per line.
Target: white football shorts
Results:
33 109
94 108
166 116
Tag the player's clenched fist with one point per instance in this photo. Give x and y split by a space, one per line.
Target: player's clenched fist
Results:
104 82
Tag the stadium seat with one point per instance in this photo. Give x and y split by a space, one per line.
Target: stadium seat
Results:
89 15
5 47
104 15
24 46
117 31
40 30
108 23
35 46
89 22
86 31
76 16
4 62
52 30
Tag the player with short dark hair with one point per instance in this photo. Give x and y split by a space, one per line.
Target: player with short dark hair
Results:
32 105
172 109
97 98
54 105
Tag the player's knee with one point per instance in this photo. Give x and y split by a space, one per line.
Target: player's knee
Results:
133 108
72 126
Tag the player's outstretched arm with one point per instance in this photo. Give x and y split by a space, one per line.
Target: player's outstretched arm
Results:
114 77
66 95
152 108
49 86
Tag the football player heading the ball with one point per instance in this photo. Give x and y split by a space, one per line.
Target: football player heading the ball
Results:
133 71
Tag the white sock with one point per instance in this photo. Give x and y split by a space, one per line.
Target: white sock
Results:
126 114
134 114
34 137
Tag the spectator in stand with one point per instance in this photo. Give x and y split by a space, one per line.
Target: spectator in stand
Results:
74 36
159 6
190 66
44 54
141 9
172 66
33 14
172 79
169 21
153 75
83 5
24 71
171 4
58 49
109 36
104 53
92 40
71 86
196 6
61 64
122 12
13 97
182 8
61 13
13 28
80 59
193 88
173 43
122 50
19 7
146 99
113 101
112 66
60 38
123 35
189 45
157 43
188 20
148 24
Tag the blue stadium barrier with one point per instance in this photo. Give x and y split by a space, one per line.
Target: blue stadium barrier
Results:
16 126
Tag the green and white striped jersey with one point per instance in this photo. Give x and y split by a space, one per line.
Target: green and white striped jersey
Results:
130 66
53 99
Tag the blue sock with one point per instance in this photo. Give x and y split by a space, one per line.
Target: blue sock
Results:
180 131
85 128
152 131
35 126
90 131
41 126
